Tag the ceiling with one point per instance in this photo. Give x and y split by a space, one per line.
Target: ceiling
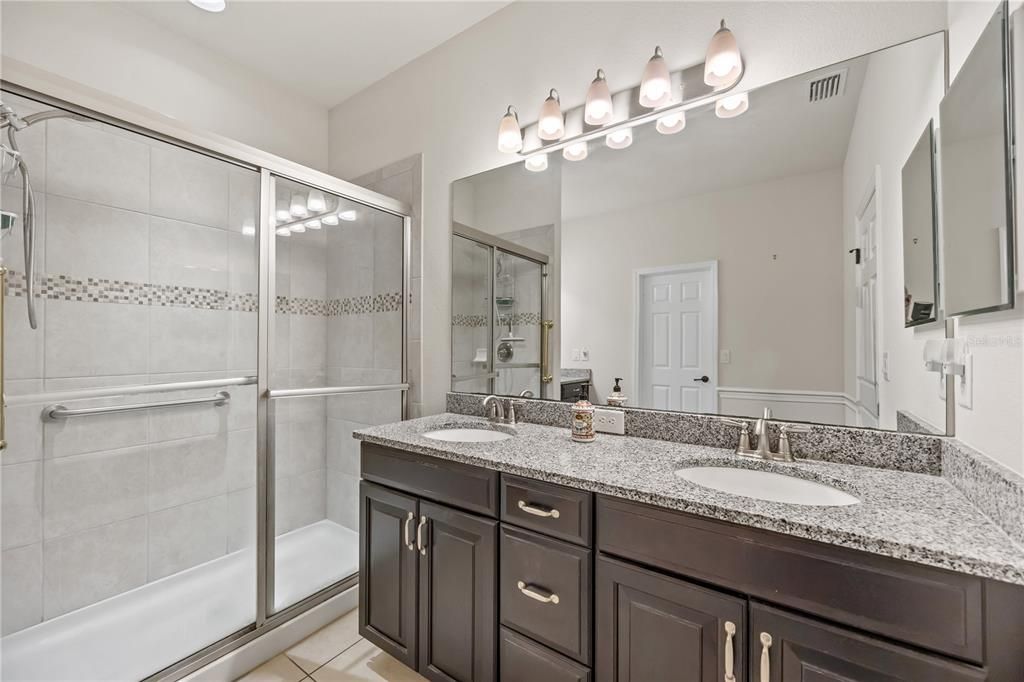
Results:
327 51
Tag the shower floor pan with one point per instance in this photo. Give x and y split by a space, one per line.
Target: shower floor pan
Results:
139 632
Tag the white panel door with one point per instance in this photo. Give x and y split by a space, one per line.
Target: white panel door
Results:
676 339
867 312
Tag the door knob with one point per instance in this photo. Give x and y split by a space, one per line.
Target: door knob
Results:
703 379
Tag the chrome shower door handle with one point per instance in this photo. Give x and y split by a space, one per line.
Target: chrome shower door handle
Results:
766 663
407 532
730 654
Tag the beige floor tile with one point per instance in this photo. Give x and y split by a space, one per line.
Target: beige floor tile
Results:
277 669
363 662
326 643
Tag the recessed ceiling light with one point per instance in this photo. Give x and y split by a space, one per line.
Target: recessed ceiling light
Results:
210 5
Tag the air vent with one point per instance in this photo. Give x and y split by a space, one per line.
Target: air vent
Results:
828 86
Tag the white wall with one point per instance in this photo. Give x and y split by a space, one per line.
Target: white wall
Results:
447 103
781 279
110 48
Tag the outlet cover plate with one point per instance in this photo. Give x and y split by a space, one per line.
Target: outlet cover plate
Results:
610 421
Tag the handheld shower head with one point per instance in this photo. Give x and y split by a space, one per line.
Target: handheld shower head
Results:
8 117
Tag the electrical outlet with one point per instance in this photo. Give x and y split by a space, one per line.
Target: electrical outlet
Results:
965 384
725 356
610 421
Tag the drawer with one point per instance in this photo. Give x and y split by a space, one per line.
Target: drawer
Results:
460 485
523 660
544 587
551 509
929 607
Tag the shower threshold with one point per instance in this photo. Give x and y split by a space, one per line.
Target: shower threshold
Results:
136 633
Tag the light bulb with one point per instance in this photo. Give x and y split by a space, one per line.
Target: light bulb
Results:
598 110
537 163
723 64
550 124
297 207
732 106
575 152
671 123
313 224
347 216
330 219
656 86
315 202
510 137
619 139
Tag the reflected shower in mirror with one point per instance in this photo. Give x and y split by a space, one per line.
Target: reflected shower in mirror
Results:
920 234
739 263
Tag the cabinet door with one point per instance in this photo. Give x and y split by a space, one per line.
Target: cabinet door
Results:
788 648
387 571
653 627
458 603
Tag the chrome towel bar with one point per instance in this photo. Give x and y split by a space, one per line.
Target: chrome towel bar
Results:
274 394
54 412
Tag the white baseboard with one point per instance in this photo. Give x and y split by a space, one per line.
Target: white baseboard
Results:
827 407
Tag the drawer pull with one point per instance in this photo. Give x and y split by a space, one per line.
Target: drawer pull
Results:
730 656
408 532
531 591
766 668
420 544
547 512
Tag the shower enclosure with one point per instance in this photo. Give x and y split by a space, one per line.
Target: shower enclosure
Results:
209 329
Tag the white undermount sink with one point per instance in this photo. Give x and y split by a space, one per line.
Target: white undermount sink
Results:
768 486
467 435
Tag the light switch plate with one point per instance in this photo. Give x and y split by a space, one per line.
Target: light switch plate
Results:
585 354
965 384
610 421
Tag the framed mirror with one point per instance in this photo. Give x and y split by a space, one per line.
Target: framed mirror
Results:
977 178
920 233
739 263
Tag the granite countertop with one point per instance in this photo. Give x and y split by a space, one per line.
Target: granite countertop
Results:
915 517
574 375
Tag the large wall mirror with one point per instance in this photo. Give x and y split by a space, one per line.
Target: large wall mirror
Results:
741 263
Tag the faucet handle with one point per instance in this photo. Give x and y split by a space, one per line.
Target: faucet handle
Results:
784 431
744 426
795 428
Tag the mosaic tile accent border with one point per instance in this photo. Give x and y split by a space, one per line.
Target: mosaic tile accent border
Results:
518 320
97 290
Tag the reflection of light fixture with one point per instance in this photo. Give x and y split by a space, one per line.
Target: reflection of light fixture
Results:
537 163
283 231
330 219
313 224
723 64
510 137
619 139
551 125
656 86
315 202
249 228
575 152
297 207
209 5
671 123
732 106
598 110
283 215
347 216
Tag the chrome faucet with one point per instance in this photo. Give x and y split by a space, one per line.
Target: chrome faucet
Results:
763 449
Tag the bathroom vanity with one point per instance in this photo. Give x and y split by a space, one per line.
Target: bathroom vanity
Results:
533 558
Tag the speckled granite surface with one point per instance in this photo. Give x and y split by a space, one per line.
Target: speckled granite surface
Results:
908 422
571 374
994 489
865 447
911 516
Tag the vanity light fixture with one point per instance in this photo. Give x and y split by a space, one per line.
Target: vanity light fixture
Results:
536 163
510 136
313 224
670 124
732 106
329 219
619 139
315 201
297 207
209 5
656 86
598 109
575 152
723 64
551 125
348 216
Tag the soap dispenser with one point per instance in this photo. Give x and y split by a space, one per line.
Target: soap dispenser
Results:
616 399
583 417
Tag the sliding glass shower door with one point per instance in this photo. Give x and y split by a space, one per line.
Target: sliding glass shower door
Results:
335 364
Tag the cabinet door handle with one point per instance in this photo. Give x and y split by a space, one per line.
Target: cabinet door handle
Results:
408 531
420 544
547 512
538 593
730 656
766 644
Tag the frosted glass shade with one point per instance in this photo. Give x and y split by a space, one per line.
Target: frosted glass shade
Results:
510 137
537 163
598 109
619 139
315 201
550 124
669 124
313 224
330 219
297 207
723 64
732 106
575 152
656 86
348 216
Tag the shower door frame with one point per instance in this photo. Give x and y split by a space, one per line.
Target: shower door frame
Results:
26 81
